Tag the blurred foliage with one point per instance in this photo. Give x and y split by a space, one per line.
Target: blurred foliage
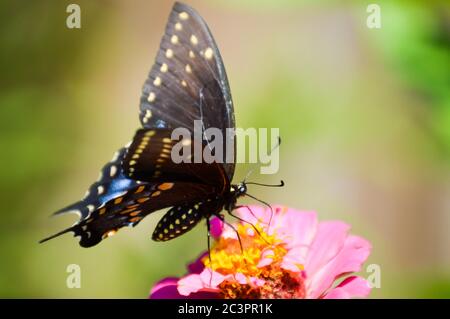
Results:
38 59
422 58
355 141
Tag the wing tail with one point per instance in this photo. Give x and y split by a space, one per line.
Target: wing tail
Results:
57 234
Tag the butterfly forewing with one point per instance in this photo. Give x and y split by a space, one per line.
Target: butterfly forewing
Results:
188 81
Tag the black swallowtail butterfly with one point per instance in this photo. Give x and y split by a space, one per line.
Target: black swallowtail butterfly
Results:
187 83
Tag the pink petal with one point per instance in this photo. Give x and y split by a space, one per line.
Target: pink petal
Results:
253 214
257 282
205 281
211 279
351 287
329 240
197 266
228 232
190 284
266 258
166 289
292 264
216 227
302 226
348 260
298 233
241 278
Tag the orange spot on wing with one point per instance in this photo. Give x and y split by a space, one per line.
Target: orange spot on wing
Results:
140 189
165 186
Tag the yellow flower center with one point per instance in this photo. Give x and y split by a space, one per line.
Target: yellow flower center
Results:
228 258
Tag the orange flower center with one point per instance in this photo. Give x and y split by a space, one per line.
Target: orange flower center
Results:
228 258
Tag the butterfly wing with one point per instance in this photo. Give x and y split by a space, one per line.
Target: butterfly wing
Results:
131 207
111 183
150 158
182 218
188 82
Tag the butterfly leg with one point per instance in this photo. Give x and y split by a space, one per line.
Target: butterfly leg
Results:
264 203
248 208
222 218
247 222
208 230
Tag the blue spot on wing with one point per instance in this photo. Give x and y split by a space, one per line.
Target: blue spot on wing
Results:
112 183
117 187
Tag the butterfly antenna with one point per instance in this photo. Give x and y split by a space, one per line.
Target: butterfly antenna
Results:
264 203
256 165
281 184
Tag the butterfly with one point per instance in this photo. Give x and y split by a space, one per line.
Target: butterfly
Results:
187 83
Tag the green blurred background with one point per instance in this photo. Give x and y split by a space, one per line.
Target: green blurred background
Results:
364 116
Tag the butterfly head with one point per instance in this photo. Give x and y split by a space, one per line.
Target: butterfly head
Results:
239 189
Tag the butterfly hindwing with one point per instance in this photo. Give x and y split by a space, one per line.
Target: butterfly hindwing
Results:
176 222
188 81
130 208
182 218
111 183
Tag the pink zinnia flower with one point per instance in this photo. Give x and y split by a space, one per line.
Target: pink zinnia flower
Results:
297 257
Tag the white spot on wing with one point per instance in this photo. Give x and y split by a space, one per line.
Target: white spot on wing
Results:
113 171
209 53
115 157
194 40
148 114
157 81
164 68
74 211
110 233
183 15
169 53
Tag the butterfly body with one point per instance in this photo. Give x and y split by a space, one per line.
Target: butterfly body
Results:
187 83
